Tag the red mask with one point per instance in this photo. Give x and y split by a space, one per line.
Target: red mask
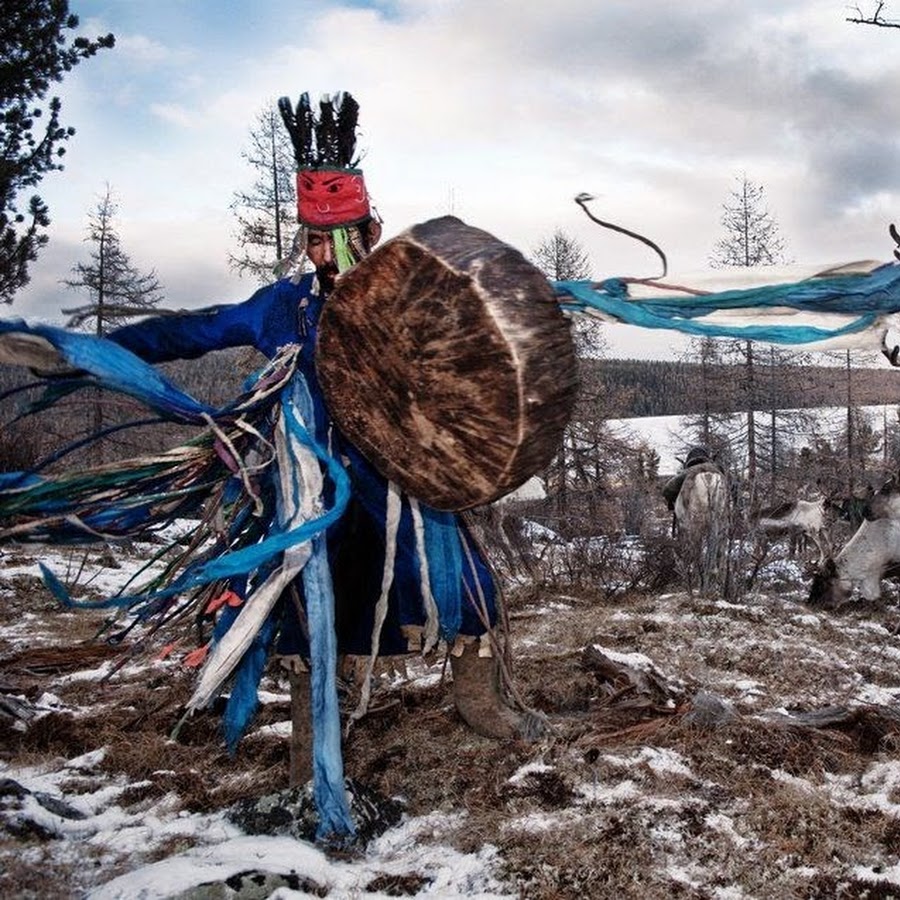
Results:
330 198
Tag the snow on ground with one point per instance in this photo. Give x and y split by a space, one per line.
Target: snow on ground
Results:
620 799
665 434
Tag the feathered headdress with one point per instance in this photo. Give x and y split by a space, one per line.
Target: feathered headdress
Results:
331 192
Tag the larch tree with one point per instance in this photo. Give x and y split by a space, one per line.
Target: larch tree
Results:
118 290
589 453
709 427
751 238
36 50
561 258
267 212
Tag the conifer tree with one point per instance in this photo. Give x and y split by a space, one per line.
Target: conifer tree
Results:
751 238
589 452
118 290
266 213
35 51
561 258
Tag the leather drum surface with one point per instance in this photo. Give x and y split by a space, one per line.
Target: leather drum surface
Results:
445 358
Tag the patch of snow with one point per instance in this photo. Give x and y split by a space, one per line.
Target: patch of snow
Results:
685 875
730 892
638 661
746 685
725 825
658 759
276 729
873 790
602 794
408 847
889 874
529 768
87 762
535 823
877 695
537 532
662 760
533 489
807 619
101 672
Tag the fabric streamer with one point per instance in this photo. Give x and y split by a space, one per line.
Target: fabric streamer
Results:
432 622
865 300
130 497
392 525
328 770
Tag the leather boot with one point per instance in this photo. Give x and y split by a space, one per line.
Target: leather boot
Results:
478 698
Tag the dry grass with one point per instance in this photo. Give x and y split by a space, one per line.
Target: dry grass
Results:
626 799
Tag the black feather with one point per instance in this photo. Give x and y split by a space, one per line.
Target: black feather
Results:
347 119
305 127
326 134
290 123
330 139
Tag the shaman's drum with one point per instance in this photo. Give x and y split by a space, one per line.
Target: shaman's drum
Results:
445 358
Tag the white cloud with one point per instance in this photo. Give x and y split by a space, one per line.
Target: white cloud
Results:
502 112
140 48
173 114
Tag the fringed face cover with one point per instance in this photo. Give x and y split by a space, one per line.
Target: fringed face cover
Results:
350 246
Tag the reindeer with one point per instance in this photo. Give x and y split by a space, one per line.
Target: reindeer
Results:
800 519
698 498
869 556
885 502
690 505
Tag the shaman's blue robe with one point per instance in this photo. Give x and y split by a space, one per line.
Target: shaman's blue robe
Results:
288 313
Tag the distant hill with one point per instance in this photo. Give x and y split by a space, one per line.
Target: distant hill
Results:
657 388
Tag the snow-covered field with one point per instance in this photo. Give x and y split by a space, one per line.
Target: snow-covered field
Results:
666 434
698 748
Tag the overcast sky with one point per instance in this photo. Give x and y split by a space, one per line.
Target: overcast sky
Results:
497 111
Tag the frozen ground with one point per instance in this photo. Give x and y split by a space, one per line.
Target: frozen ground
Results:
684 760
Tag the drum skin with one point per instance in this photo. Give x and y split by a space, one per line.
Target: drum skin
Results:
445 358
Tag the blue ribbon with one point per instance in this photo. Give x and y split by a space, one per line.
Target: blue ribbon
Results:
868 296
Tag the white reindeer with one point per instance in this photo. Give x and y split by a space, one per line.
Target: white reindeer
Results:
800 519
700 522
885 502
702 502
866 558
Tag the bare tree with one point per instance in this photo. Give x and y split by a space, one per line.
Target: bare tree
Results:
591 456
267 210
117 289
873 18
561 258
752 238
